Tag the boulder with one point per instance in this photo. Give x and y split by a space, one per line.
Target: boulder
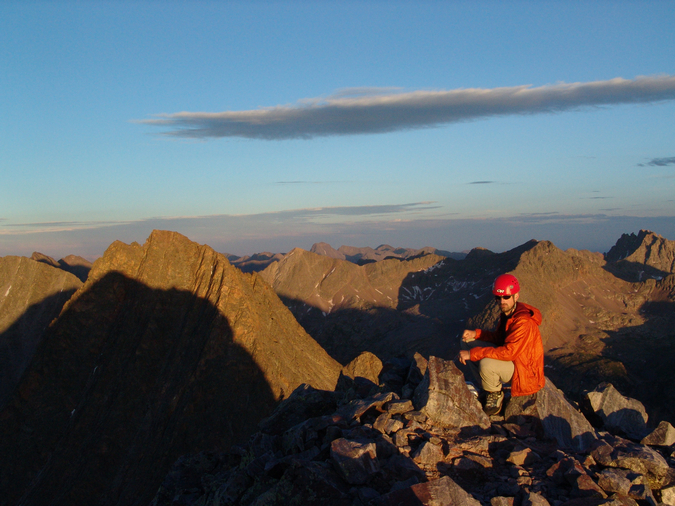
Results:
355 461
622 453
428 455
619 414
366 365
358 407
550 413
663 435
446 400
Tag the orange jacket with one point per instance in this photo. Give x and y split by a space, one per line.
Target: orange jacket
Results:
518 340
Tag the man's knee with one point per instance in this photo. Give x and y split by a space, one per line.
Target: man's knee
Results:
498 371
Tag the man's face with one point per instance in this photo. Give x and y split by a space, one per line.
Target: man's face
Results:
507 306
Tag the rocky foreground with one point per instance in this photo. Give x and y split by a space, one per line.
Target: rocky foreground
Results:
411 433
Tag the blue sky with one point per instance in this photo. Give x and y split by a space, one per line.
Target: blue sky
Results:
261 126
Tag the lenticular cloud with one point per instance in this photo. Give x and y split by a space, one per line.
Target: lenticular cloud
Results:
382 110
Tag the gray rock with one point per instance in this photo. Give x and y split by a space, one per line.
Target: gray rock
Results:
417 370
393 426
399 407
561 421
428 455
619 414
618 452
663 435
446 400
357 407
355 461
615 481
381 421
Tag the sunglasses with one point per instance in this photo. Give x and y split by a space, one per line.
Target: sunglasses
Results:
500 297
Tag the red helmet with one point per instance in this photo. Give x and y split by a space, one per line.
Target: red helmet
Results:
506 284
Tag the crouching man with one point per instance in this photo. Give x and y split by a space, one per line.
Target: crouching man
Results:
514 353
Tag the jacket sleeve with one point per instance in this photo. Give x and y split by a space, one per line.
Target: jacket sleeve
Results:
517 339
487 335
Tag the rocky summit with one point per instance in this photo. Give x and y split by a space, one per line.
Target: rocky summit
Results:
418 436
167 349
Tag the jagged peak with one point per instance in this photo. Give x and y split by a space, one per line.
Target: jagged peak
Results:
477 253
641 256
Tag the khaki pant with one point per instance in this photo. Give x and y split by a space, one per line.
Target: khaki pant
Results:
490 372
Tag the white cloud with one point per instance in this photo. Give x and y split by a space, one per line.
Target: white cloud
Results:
364 110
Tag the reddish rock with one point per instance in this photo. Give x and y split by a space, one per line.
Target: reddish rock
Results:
441 492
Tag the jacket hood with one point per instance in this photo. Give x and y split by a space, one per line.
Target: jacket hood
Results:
527 311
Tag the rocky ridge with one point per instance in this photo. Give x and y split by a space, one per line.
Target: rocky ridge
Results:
74 264
167 349
254 263
366 255
598 326
361 299
31 296
418 436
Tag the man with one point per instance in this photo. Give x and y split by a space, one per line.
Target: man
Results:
513 353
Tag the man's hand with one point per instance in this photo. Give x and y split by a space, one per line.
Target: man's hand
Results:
464 355
468 335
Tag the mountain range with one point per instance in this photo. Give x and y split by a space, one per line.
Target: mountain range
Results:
113 371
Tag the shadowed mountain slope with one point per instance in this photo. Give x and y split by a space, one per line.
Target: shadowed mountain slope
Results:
31 296
167 349
330 284
597 326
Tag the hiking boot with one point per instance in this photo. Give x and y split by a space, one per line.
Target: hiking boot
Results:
472 389
493 403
